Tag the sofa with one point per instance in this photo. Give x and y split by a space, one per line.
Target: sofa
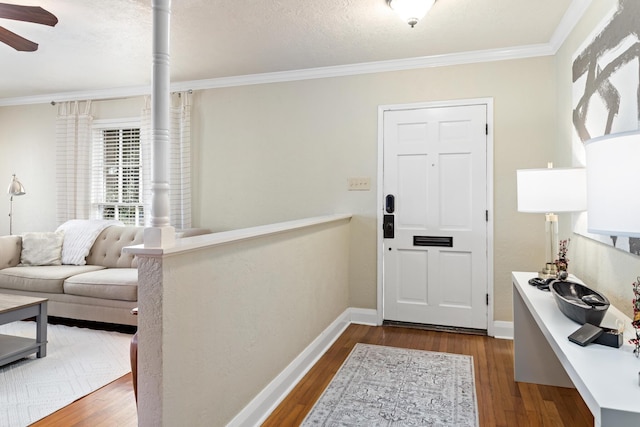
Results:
102 287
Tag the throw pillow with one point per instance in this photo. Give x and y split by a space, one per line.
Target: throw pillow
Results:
41 248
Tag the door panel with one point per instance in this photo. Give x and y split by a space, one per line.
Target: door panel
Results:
413 184
457 266
456 202
413 277
435 166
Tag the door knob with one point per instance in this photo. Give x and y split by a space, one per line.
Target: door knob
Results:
388 227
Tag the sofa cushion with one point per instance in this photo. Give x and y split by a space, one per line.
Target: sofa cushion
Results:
107 249
42 278
41 248
10 248
110 283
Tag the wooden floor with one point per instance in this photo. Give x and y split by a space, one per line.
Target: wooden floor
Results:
501 401
112 405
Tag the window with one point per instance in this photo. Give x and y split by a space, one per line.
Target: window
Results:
116 169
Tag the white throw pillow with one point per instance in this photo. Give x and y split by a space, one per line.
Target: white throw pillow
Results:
42 248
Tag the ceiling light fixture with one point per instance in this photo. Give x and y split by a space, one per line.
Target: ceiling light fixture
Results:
411 11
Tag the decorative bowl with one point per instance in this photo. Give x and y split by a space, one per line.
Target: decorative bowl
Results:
578 302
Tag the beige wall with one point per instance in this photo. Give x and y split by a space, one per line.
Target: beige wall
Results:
28 149
220 322
610 270
284 151
275 152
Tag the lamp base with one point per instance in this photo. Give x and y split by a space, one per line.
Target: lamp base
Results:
549 271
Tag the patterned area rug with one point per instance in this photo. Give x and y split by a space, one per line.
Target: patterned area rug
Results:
388 386
78 361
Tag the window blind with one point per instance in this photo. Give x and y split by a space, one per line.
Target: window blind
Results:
116 184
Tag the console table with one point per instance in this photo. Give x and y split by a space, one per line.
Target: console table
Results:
607 378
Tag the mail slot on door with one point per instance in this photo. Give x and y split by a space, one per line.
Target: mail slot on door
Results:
441 241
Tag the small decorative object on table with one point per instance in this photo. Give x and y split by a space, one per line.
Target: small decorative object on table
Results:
636 317
562 263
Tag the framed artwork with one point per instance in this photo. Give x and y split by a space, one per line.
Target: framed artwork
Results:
606 92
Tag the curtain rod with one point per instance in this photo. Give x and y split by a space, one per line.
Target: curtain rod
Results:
124 97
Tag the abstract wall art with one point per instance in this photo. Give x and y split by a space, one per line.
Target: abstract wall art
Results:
606 92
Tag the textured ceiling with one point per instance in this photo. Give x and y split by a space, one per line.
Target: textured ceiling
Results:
100 44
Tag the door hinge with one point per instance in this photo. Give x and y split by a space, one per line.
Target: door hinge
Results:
487 299
486 215
486 129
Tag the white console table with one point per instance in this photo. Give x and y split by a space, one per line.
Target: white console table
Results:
606 377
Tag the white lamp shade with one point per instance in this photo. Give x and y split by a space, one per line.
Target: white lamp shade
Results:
410 10
15 187
552 190
613 196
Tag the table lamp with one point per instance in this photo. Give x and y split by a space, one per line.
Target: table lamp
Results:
550 191
613 206
613 202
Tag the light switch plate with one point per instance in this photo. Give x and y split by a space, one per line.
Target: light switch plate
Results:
359 184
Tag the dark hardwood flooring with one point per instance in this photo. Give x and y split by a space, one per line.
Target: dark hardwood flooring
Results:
111 406
501 401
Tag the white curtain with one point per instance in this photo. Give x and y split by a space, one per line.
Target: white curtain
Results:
73 160
179 161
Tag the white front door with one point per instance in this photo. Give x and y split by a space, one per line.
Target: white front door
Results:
435 203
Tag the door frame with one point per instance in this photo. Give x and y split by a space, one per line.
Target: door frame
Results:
488 102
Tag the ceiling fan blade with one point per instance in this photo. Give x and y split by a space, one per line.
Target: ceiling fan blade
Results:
34 14
17 42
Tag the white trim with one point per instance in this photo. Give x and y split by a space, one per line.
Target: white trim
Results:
364 316
490 229
110 123
503 330
475 101
224 237
574 13
489 55
270 397
571 17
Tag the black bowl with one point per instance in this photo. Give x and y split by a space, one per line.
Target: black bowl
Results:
579 303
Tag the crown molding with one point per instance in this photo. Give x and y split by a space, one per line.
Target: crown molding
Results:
569 20
372 67
296 75
572 16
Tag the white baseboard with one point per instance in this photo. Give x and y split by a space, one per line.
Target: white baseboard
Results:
270 397
503 330
364 316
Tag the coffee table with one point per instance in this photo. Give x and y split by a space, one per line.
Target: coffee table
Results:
19 307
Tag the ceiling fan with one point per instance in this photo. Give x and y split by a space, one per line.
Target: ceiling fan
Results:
34 14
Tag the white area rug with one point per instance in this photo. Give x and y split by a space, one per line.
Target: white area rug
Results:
78 362
388 386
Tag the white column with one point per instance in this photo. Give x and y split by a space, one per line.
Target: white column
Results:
151 390
160 234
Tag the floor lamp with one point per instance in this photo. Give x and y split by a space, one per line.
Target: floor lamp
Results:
15 189
550 191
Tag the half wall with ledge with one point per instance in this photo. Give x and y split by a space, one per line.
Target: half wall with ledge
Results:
222 315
